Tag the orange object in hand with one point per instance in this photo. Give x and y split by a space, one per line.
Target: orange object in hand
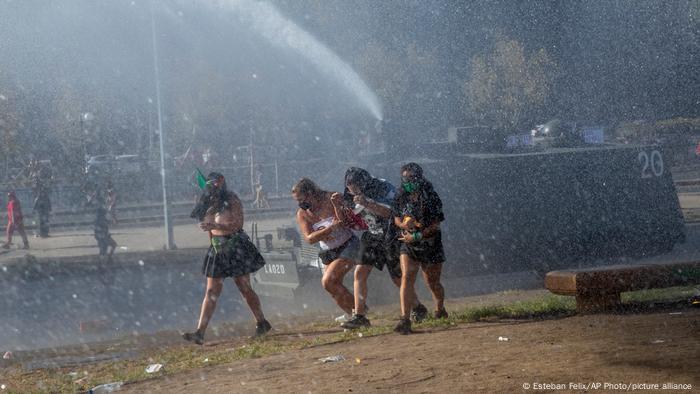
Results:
411 223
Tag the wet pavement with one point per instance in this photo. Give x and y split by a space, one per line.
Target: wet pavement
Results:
65 294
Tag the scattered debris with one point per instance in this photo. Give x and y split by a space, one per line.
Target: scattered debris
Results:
123 248
141 263
106 388
206 360
153 368
359 334
503 339
358 360
2 387
73 374
658 341
94 325
7 355
676 313
332 359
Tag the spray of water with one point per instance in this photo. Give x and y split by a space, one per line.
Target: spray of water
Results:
267 21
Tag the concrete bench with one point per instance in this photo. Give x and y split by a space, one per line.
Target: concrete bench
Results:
598 289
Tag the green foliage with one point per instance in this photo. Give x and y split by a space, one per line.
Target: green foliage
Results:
508 87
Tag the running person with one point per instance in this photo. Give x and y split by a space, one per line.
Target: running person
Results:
231 254
418 213
321 220
379 247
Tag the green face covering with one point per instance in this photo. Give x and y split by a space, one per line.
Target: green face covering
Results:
409 187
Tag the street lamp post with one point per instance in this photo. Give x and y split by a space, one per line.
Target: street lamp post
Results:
169 241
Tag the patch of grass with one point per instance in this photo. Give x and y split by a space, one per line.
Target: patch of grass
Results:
551 305
667 294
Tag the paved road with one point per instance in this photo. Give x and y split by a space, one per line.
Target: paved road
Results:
143 290
147 290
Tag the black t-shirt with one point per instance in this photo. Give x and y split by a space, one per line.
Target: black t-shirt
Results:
426 210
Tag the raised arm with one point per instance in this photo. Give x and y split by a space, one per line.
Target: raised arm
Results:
306 228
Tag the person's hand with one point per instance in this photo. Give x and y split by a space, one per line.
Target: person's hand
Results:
360 200
336 198
406 237
207 226
336 223
408 224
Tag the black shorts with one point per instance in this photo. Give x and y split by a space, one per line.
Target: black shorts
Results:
428 250
232 256
376 251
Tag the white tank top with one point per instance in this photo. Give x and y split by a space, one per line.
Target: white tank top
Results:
336 238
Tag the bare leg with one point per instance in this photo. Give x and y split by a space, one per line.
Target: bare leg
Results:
397 283
214 287
409 270
251 298
431 275
332 282
360 286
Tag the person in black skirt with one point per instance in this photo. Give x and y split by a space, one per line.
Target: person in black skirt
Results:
417 213
231 254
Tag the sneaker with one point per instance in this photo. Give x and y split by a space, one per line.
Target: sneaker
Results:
196 337
404 327
357 321
343 318
419 313
262 328
441 314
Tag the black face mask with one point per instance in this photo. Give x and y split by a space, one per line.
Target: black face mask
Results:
305 205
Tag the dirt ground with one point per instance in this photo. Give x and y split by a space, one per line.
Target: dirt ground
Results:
655 348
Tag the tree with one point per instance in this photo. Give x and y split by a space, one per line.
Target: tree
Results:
10 129
508 87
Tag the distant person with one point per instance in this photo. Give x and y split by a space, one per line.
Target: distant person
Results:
42 206
260 195
372 199
320 221
418 213
104 239
15 221
231 254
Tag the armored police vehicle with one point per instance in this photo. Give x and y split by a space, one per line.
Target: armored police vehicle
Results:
533 205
